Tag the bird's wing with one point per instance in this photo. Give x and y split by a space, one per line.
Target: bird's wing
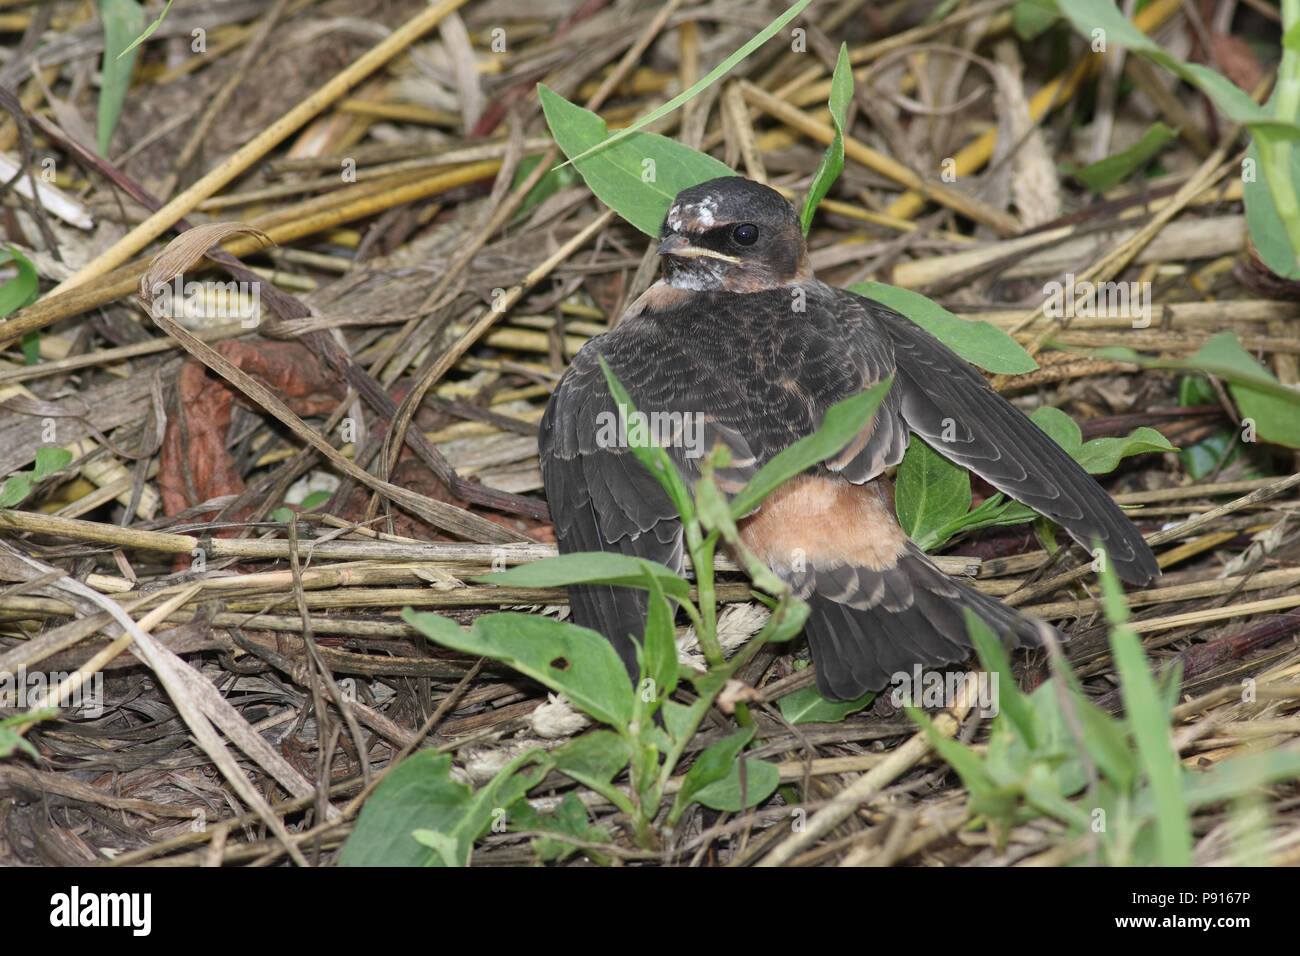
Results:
602 498
849 353
951 406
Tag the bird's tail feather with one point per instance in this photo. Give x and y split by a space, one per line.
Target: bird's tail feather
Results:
865 626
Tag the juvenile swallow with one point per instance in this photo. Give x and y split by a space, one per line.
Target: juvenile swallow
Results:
738 343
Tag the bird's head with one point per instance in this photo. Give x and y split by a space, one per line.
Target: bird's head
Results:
732 234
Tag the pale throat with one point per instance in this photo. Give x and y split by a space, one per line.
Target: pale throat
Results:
702 274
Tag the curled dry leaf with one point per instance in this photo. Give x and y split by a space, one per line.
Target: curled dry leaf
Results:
737 692
187 249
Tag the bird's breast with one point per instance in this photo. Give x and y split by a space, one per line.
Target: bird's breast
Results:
825 521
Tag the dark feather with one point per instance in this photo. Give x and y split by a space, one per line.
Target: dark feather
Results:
895 618
944 397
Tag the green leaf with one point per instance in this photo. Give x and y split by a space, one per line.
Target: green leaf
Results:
713 764
977 342
17 487
715 516
1030 18
417 794
1107 743
678 720
996 511
1223 446
1291 38
149 30
123 21
1100 455
569 819
444 844
1276 416
1090 15
1271 405
786 622
282 514
1242 775
11 740
316 498
761 781
843 422
1113 170
1194 390
929 486
1203 457
1147 718
620 570
594 759
23 288
640 175
50 459
806 706
575 661
658 651
651 455
1010 701
551 183
931 492
713 75
832 164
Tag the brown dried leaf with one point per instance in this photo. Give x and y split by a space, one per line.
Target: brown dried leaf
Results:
187 249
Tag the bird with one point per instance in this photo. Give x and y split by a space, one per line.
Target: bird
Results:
738 343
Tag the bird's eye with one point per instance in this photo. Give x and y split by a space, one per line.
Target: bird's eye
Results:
745 234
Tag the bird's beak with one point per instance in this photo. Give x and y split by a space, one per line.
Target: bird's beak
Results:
680 247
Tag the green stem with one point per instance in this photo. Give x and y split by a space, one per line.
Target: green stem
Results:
1275 153
1276 160
707 631
721 675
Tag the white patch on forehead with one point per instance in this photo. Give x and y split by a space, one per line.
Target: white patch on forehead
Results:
701 213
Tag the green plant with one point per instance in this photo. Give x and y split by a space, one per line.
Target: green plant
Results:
1268 405
19 292
933 496
1272 209
11 731
1115 783
20 484
645 732
123 23
285 513
582 665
